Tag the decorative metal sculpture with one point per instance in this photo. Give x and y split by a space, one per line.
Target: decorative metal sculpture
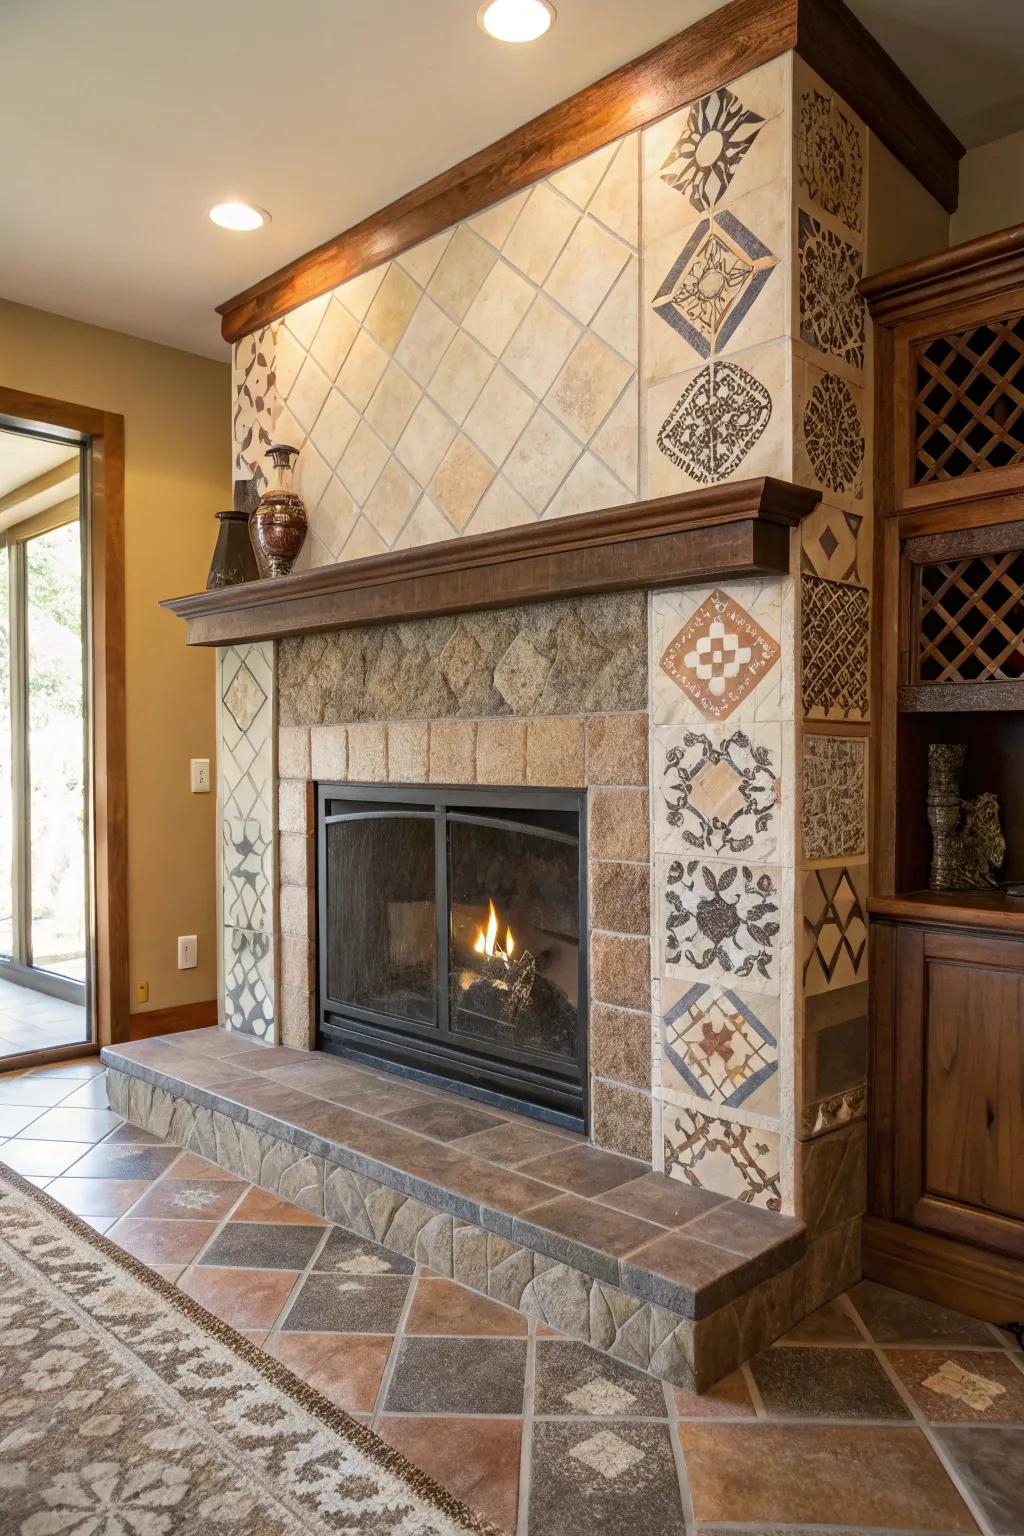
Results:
967 839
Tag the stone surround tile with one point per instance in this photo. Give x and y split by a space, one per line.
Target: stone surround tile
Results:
368 753
620 1044
293 761
554 752
617 749
297 963
298 1018
295 859
622 1118
296 909
619 826
408 751
620 896
293 806
453 752
620 970
501 752
329 752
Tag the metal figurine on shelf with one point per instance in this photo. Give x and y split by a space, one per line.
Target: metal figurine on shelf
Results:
967 840
277 526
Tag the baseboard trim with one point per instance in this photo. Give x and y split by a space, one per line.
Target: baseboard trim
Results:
168 1021
972 1280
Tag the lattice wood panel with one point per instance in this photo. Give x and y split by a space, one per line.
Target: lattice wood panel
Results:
969 403
970 619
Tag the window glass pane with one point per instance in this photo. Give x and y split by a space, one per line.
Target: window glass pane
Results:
56 747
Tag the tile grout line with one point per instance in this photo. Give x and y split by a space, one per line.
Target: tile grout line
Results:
760 1411
682 1472
396 1346
300 1280
525 1481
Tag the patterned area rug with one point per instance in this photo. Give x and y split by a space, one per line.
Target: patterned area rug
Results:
126 1409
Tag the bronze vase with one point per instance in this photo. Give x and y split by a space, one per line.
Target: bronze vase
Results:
277 526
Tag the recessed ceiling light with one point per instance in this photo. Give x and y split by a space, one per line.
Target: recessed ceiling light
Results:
239 216
516 21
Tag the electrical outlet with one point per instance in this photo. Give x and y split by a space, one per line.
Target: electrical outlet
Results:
188 952
142 991
200 775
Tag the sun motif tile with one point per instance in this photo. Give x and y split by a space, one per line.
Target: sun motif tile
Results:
715 422
722 1046
714 282
735 1160
719 791
721 920
719 656
835 948
719 131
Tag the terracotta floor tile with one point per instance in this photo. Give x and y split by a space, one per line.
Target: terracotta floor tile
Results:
728 1399
961 1386
134 1135
884 1476
98 1197
477 1459
99 1224
614 1477
261 1205
458 1376
190 1166
171 1272
798 1383
161 1242
990 1463
346 1367
245 1298
190 1199
893 1317
831 1324
442 1307
255 1336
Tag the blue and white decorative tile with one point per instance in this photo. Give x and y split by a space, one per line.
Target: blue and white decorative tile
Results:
740 1161
721 1046
717 791
722 922
249 983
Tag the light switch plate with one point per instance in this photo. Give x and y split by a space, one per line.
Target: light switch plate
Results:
200 775
188 952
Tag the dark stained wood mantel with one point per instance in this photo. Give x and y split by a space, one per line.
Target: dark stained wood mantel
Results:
712 534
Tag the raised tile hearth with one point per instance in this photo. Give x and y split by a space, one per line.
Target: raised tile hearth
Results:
678 1280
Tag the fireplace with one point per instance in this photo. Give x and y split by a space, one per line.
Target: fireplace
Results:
449 926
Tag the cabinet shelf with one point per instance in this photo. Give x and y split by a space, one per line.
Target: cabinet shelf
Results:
960 909
955 698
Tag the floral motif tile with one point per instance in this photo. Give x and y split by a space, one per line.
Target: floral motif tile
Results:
714 282
740 1161
718 791
831 308
255 403
830 157
717 134
721 920
720 1045
834 809
723 655
834 650
835 927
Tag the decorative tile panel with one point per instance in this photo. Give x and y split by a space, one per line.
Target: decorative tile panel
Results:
720 1045
736 1160
714 282
831 309
247 792
718 132
830 159
249 983
835 927
834 650
722 656
831 436
833 544
834 810
719 791
255 404
715 423
721 920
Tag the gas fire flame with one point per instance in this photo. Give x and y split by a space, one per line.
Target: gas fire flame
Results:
486 943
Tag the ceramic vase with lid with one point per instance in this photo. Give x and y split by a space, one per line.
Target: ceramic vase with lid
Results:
278 524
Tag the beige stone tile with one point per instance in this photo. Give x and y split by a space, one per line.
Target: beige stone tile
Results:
421 262
362 462
588 487
460 376
422 445
495 223
501 506
363 541
501 412
617 442
620 971
588 386
453 752
304 321
541 459
408 751
334 426
619 826
314 552
293 806
295 859
617 200
540 232
297 911
498 308
620 1044
580 180
308 393
335 517
391 501
357 294
621 1119
368 753
333 339
620 896
586 269
288 359
617 749
427 525
312 474
426 339
501 752
542 342
298 1018
360 372
618 320
392 307
554 751
394 401
328 751
460 481
293 752
459 274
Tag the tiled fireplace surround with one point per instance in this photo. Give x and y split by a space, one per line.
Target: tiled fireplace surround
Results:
563 352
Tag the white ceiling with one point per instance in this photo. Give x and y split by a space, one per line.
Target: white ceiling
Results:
24 458
124 120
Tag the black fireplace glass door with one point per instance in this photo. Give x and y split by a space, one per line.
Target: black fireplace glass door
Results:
382 913
514 936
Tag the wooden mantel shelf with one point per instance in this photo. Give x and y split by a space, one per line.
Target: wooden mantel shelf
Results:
712 534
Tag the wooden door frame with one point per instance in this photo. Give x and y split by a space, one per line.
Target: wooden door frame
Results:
102 435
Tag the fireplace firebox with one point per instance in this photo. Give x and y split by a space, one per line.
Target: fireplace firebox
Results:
451 931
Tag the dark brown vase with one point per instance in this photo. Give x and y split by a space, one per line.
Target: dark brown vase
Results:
234 558
278 525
